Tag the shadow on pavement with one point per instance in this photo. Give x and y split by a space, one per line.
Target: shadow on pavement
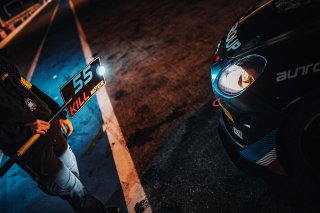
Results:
192 173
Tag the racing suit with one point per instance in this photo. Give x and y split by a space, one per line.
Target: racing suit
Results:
50 160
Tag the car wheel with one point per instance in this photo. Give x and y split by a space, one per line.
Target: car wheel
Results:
300 141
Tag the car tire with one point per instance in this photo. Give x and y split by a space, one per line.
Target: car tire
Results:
297 147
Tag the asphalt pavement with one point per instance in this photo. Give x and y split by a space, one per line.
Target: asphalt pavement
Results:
193 173
159 53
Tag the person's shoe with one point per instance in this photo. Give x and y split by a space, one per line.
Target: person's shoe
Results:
90 204
113 209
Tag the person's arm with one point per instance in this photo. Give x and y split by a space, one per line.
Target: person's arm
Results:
12 137
54 106
63 120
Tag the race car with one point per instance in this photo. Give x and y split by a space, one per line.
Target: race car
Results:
265 76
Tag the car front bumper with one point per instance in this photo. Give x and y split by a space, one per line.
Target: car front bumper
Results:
258 158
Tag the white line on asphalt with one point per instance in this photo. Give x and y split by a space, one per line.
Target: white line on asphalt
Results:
36 58
5 41
129 178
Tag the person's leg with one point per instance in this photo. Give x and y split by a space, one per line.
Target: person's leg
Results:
69 160
69 187
54 177
62 149
67 157
58 173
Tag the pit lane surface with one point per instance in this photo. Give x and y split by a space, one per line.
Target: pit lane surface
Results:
159 52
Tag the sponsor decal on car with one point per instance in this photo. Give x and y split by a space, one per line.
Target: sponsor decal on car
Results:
238 133
232 41
227 113
298 72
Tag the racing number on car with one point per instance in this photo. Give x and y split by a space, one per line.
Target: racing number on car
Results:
82 87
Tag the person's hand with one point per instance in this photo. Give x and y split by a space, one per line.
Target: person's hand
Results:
39 127
64 123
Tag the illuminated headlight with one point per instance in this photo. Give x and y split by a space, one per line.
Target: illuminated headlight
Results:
238 76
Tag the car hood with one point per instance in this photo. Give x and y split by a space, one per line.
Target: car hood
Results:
270 21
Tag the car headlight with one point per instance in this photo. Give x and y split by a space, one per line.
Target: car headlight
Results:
239 75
